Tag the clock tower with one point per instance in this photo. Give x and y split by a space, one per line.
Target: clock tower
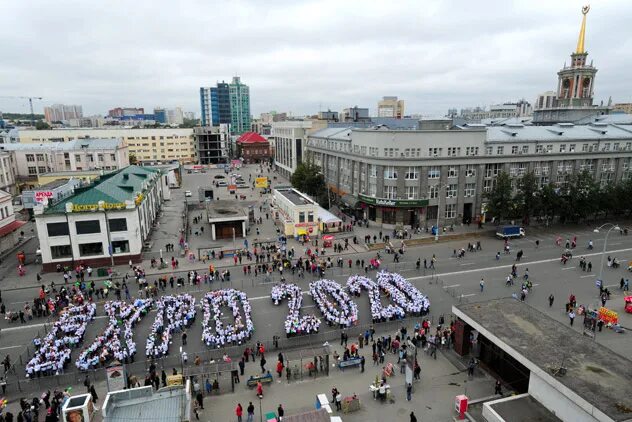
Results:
576 82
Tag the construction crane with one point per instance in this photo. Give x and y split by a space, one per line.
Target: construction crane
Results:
30 104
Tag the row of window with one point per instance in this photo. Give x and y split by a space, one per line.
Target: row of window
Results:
40 157
89 249
412 173
310 217
86 227
412 192
548 148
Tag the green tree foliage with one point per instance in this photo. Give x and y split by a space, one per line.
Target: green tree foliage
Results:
500 201
309 179
527 200
41 125
189 123
132 159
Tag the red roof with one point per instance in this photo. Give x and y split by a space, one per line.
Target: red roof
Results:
11 227
251 138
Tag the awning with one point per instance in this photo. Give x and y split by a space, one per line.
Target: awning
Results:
11 227
350 200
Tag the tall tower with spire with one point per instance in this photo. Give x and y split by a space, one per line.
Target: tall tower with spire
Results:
575 87
576 82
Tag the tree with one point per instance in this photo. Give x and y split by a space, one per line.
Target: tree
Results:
40 125
582 197
133 160
548 201
527 199
189 123
500 202
309 179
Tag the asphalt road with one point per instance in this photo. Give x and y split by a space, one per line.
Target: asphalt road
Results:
453 281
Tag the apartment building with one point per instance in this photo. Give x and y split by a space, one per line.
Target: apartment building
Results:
408 178
147 145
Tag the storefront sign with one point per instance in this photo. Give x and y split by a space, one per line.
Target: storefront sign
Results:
398 203
43 195
305 224
608 316
94 207
261 182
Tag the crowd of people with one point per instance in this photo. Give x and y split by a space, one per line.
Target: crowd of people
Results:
53 351
179 313
222 334
342 310
294 324
379 312
109 345
403 293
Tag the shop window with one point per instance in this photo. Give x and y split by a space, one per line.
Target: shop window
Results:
57 229
120 246
118 224
88 226
89 249
301 217
62 251
388 216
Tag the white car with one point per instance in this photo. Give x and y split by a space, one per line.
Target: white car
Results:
187 193
221 183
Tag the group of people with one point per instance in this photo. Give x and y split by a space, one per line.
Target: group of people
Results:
179 312
379 312
53 351
342 311
294 323
403 293
109 345
223 334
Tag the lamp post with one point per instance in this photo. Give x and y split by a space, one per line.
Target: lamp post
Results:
605 243
260 408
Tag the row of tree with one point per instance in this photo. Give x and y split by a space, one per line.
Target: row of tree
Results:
580 199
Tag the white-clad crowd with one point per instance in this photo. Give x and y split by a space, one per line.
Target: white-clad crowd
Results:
403 293
53 351
294 324
379 313
179 312
342 310
215 333
109 345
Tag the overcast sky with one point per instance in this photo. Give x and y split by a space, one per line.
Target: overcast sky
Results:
304 56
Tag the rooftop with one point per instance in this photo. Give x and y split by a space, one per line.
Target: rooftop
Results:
294 196
595 373
74 145
142 404
559 132
523 409
251 138
54 184
114 188
225 210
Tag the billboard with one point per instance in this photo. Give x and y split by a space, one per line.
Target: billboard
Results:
261 182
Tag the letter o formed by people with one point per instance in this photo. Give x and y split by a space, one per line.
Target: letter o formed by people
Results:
379 313
294 323
217 334
403 293
345 314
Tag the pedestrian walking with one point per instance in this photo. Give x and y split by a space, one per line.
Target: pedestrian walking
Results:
362 361
409 391
251 412
551 299
571 316
482 284
200 399
280 412
413 418
239 411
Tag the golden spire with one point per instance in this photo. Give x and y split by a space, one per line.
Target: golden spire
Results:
582 31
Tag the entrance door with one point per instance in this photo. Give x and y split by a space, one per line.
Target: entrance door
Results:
372 213
467 213
412 218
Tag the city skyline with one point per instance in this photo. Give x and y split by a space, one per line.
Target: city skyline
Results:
433 57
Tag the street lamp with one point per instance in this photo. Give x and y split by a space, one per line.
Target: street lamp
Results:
605 242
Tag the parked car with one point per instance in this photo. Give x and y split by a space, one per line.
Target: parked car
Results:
221 183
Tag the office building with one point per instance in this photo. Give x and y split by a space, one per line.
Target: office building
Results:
160 115
520 108
390 107
355 114
408 178
125 111
289 139
103 224
62 113
212 145
31 160
215 105
239 106
189 115
156 145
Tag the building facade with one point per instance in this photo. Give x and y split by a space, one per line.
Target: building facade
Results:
9 226
147 145
253 148
289 144
104 224
239 106
7 172
212 145
62 113
126 111
409 178
624 107
390 107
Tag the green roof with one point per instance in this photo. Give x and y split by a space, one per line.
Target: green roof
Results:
111 188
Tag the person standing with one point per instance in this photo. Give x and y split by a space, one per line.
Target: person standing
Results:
280 412
498 388
362 361
413 418
551 299
251 412
339 401
409 391
93 393
242 365
482 284
239 411
571 316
